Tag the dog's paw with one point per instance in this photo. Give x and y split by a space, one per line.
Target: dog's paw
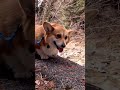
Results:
23 75
44 56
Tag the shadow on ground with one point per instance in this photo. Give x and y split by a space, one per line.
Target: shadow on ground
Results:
63 72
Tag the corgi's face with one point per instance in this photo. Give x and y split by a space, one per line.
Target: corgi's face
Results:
57 35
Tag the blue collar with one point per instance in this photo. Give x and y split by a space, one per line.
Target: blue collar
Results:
10 38
37 42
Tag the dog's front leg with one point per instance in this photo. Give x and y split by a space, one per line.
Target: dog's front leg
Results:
27 60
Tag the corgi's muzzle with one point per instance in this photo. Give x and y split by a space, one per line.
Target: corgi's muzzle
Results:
59 48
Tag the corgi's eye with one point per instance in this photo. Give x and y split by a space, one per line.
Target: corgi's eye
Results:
58 35
66 37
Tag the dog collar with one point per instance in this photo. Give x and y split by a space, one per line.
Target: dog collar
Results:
37 42
10 38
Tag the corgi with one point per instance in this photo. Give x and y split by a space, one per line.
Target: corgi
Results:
50 39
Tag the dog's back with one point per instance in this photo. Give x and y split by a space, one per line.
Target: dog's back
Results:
10 15
39 31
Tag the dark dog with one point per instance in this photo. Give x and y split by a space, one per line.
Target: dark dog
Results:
17 35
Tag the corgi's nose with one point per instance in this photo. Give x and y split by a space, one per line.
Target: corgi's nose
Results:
63 45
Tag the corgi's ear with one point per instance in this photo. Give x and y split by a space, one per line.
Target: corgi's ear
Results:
48 27
69 36
72 32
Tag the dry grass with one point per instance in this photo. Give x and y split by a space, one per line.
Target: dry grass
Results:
65 12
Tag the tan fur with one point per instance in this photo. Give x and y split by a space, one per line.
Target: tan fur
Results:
50 32
13 13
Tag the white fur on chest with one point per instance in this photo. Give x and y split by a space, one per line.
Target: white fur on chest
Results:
44 51
50 51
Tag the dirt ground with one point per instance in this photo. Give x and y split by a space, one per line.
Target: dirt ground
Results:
65 72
